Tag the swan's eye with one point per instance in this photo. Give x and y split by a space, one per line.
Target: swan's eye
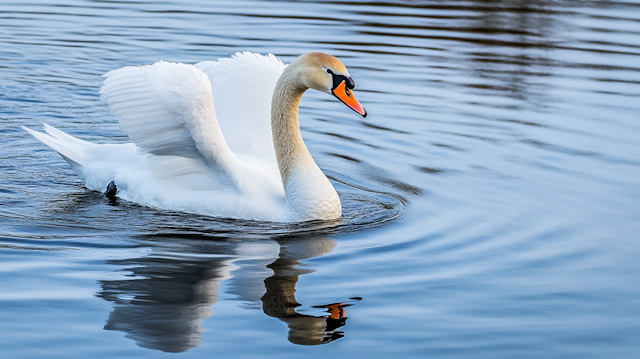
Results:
329 71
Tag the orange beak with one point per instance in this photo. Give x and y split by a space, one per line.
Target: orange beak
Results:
346 96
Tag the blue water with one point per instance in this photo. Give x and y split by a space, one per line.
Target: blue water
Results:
492 196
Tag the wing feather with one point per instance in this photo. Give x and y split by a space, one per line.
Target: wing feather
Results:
242 87
167 111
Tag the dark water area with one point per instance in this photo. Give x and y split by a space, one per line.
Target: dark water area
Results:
491 197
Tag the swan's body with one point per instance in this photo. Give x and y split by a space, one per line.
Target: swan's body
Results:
245 159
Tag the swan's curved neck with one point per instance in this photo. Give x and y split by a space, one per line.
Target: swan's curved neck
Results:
309 194
291 152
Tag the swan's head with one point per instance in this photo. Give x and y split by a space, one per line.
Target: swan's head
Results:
326 73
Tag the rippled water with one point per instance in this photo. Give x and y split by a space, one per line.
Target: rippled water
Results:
492 197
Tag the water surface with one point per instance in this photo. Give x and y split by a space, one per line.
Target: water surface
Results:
491 196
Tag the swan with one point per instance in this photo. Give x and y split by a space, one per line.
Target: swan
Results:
244 159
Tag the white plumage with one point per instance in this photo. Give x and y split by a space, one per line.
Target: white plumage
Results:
188 155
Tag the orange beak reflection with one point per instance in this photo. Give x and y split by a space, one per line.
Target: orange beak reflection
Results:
346 96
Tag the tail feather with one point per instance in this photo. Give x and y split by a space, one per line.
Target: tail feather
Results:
69 147
65 136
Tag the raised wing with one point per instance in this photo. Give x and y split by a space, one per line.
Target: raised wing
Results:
167 111
242 89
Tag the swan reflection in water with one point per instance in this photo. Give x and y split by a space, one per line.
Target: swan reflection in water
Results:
279 301
173 289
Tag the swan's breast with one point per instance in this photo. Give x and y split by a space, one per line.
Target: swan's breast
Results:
310 195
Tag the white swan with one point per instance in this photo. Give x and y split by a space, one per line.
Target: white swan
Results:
245 159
